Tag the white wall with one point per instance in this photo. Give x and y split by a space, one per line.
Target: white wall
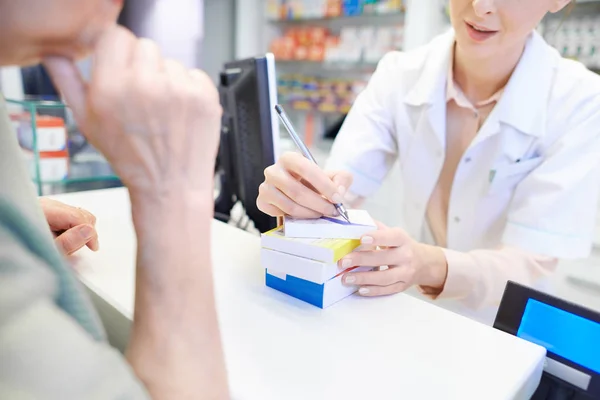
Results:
176 25
218 45
250 26
424 20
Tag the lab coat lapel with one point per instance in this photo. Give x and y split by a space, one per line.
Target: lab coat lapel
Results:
523 103
426 108
426 100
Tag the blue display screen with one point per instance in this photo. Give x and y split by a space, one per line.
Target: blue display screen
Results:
567 335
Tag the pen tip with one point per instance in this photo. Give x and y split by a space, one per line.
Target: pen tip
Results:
278 108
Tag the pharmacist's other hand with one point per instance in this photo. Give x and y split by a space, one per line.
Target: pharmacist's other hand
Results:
408 263
155 121
72 227
298 187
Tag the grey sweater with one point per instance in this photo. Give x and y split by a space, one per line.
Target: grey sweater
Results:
52 344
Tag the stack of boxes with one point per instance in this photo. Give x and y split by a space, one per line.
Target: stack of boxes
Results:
304 265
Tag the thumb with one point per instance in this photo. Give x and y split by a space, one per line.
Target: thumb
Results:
70 84
74 239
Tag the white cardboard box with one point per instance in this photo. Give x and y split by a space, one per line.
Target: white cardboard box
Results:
330 227
303 268
324 250
319 295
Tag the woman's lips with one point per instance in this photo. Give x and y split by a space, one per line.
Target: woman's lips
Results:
479 34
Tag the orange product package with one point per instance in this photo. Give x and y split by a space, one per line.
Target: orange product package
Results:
334 8
318 34
316 53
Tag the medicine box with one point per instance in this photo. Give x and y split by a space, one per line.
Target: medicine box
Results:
324 250
53 166
50 134
331 227
303 268
320 295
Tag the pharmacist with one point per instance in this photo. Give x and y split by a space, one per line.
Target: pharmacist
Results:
498 141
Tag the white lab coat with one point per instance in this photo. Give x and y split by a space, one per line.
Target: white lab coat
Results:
529 179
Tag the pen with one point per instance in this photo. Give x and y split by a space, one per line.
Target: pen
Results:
288 126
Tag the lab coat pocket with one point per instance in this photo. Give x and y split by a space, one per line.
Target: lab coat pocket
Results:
506 177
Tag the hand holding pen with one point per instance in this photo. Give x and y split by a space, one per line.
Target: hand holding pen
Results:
298 187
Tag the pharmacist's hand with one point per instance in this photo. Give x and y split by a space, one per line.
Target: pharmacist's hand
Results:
72 227
409 263
296 186
155 121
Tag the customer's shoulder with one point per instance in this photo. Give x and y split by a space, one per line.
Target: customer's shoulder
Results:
24 277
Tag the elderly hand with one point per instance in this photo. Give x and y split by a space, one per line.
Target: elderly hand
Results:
155 121
297 187
72 227
409 263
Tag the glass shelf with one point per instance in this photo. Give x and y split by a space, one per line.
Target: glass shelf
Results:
66 162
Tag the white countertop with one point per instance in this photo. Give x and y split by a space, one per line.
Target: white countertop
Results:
280 348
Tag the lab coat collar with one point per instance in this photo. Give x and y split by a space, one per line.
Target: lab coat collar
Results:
523 102
433 71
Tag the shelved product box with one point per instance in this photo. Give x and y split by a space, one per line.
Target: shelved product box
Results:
51 142
51 134
53 166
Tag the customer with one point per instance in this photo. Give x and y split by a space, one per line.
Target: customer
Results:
498 142
157 124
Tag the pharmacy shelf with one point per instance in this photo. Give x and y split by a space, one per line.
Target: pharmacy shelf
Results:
286 65
391 17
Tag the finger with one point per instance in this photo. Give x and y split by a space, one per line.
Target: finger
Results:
342 179
375 258
269 209
374 278
373 291
299 193
314 175
206 84
90 218
146 57
61 217
113 52
387 237
94 242
67 78
75 238
271 195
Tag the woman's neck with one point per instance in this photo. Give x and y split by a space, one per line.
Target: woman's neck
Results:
481 78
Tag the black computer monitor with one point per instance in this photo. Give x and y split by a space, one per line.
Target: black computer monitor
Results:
569 332
249 136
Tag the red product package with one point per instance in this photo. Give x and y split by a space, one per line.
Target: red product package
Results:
303 36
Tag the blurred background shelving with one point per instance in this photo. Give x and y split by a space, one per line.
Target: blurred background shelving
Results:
58 157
